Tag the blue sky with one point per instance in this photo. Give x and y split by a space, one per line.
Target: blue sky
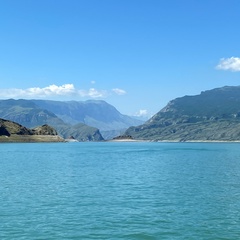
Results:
136 55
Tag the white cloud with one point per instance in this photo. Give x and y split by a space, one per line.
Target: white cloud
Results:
231 64
51 91
93 82
141 113
65 89
119 91
94 93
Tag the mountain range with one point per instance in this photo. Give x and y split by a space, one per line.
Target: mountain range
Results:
95 113
85 121
211 115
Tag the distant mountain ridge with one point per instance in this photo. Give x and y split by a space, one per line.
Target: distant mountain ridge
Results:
80 119
29 114
95 113
211 115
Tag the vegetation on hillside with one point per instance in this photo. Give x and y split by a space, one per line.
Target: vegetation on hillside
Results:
212 115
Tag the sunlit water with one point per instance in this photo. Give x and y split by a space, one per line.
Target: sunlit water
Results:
120 191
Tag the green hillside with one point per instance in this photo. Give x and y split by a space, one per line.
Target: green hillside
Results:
211 115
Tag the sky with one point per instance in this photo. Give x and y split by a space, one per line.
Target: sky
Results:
134 54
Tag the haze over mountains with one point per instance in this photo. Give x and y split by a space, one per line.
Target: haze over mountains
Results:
212 115
82 120
95 113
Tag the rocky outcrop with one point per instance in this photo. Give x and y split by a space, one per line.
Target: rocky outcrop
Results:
10 127
14 132
4 131
44 130
123 137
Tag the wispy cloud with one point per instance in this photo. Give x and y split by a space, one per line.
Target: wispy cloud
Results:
231 64
119 91
141 113
65 90
92 93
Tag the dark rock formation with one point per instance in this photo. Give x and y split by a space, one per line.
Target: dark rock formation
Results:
4 131
14 128
123 137
44 130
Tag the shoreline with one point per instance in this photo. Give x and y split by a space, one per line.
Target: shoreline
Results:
57 138
31 139
126 140
175 141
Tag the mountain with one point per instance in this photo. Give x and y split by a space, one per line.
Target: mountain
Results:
14 132
95 113
211 115
29 114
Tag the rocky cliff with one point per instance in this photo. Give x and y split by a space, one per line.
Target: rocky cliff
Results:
213 115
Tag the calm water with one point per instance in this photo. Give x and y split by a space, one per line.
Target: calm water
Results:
120 191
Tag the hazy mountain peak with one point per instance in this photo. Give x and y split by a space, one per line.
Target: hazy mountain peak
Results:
95 113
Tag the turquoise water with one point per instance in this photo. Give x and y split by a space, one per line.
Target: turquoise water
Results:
120 191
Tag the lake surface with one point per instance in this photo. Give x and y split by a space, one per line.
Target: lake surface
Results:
120 191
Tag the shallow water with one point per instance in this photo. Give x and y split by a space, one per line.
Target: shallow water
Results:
120 191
